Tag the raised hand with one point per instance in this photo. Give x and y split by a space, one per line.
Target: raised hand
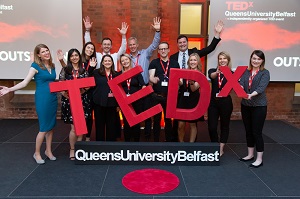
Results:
60 54
3 90
93 62
156 23
87 23
219 27
124 28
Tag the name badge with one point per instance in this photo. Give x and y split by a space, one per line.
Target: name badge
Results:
186 94
164 83
110 95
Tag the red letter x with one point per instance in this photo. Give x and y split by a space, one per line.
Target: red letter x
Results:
73 87
232 81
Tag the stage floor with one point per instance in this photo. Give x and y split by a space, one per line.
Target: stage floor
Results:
21 177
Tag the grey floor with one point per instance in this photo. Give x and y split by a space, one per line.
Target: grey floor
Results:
21 177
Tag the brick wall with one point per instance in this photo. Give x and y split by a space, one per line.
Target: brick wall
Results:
107 17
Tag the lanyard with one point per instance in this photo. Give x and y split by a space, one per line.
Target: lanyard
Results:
220 80
128 84
75 74
251 77
108 77
187 84
88 65
165 70
137 60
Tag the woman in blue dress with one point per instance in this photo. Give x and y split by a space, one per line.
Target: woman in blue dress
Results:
43 71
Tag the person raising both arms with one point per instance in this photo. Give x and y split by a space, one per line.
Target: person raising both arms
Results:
43 71
106 44
142 58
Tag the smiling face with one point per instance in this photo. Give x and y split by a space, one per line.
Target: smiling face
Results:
133 46
107 62
222 60
89 50
182 44
74 58
125 62
106 46
44 54
256 61
193 63
163 50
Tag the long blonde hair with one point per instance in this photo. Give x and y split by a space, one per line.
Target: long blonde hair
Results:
198 60
38 60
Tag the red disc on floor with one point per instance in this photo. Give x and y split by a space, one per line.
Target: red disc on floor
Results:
150 181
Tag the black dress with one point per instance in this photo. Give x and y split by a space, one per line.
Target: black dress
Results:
190 101
135 84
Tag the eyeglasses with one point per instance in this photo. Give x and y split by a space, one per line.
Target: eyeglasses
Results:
163 49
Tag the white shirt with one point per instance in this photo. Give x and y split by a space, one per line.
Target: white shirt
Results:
115 56
180 57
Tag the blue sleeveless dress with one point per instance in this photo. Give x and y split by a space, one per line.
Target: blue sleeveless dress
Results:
45 102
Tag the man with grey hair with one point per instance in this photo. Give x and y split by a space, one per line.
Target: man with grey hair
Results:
142 58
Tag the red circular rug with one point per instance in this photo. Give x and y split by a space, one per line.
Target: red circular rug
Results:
150 181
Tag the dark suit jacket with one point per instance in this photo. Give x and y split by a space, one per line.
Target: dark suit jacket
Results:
203 52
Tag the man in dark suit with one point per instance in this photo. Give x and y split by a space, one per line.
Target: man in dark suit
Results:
183 54
182 42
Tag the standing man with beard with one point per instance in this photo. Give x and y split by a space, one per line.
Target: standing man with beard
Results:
159 71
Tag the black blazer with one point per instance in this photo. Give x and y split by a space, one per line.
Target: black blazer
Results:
203 52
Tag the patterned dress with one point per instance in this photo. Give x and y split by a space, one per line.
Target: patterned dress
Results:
66 114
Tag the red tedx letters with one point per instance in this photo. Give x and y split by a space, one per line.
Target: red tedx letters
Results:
125 102
73 87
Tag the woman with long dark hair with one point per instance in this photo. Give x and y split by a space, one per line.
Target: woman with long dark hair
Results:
89 63
105 105
73 70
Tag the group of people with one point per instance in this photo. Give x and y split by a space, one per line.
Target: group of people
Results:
100 99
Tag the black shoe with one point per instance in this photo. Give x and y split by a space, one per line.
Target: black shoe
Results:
243 160
256 166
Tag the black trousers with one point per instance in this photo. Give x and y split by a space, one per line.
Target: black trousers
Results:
106 123
133 133
219 108
148 122
254 119
89 121
157 99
